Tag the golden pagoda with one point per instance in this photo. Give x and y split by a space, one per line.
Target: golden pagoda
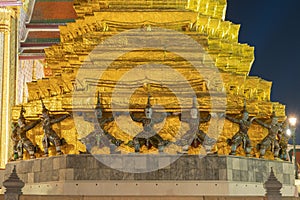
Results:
183 38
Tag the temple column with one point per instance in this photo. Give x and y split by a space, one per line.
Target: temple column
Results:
8 49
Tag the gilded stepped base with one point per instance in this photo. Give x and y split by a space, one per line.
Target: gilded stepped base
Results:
187 176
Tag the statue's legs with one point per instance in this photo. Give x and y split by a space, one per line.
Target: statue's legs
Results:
112 140
108 141
276 148
20 150
248 146
147 138
88 145
15 156
114 143
263 146
282 151
266 143
28 145
262 152
206 141
90 142
186 140
54 139
236 140
157 142
138 143
45 143
102 141
196 142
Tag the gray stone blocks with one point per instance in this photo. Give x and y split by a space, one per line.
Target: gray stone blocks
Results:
151 167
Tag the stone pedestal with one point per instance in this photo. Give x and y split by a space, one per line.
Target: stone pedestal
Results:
153 175
13 186
273 186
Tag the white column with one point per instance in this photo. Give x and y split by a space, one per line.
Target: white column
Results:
8 79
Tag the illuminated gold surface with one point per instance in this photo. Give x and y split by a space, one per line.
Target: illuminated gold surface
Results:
219 39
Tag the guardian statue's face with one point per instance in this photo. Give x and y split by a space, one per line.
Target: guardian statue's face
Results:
21 122
274 120
98 113
245 115
148 113
45 115
194 113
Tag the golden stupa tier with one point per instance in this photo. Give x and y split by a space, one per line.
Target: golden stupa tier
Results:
218 38
212 8
64 90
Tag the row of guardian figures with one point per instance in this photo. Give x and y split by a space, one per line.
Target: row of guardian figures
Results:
276 140
149 137
21 141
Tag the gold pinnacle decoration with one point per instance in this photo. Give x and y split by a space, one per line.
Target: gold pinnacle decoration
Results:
148 102
98 105
22 111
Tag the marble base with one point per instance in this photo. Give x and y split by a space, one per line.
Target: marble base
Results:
154 174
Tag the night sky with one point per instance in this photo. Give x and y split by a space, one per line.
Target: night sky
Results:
273 28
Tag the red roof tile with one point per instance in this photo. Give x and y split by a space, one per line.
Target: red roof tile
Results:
55 11
43 34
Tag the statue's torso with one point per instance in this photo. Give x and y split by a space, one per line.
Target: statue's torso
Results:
244 126
148 124
47 126
273 131
194 124
21 132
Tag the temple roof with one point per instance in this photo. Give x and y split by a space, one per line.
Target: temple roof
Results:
42 26
53 11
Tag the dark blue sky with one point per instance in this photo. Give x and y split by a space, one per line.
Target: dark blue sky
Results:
273 28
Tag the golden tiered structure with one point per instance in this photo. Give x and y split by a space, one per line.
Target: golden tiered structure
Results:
98 20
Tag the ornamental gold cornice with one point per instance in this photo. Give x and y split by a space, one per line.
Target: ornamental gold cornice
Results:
46 88
85 102
250 87
212 8
253 88
223 51
34 108
238 59
217 28
87 8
